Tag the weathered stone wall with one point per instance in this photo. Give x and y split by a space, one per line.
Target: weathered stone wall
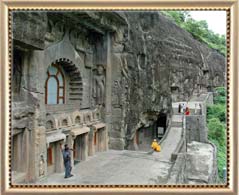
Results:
197 166
196 129
155 62
140 61
80 44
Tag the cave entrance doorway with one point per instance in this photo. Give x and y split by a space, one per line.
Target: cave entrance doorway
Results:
161 125
145 135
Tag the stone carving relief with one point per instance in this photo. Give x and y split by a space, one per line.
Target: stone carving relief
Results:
51 122
77 118
81 43
55 32
30 28
42 166
117 93
99 85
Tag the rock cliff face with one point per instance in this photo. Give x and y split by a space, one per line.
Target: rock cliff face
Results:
122 70
154 63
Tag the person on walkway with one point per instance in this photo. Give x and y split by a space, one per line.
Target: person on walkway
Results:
200 108
179 108
195 110
67 160
155 146
187 112
184 107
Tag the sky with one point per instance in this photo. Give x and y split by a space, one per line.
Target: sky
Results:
216 20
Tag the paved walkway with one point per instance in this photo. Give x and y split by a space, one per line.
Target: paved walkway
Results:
116 167
125 167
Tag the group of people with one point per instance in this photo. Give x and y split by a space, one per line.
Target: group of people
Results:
183 108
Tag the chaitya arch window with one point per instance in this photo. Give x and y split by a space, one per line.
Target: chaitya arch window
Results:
55 86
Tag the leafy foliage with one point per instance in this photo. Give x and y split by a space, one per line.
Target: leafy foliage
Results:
216 122
198 29
217 111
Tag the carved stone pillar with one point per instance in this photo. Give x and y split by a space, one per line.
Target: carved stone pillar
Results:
71 141
84 151
91 148
108 104
59 159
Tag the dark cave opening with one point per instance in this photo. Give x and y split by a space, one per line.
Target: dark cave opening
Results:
161 125
156 130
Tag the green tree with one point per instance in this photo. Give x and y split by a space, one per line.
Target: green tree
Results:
216 123
198 29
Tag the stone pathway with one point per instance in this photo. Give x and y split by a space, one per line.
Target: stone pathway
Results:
116 167
127 167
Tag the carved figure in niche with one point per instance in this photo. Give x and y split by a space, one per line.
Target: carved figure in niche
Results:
55 32
117 90
49 125
41 166
80 41
38 136
99 85
124 66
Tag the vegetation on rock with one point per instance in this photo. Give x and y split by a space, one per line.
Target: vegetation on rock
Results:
216 121
198 29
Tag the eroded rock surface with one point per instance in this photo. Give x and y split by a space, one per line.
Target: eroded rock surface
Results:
155 63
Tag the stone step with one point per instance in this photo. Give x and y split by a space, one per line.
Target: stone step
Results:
76 79
74 74
75 93
75 98
75 87
75 83
70 68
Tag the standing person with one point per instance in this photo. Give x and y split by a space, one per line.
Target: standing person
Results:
182 105
195 111
184 108
187 112
200 108
179 108
67 160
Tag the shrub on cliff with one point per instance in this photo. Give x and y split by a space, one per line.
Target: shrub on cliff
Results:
217 111
216 122
198 29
